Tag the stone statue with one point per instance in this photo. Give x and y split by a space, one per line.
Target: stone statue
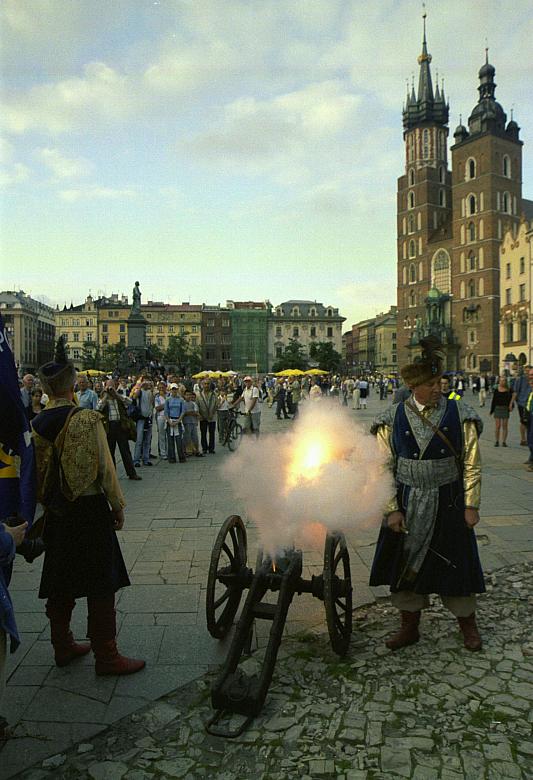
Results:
136 305
418 323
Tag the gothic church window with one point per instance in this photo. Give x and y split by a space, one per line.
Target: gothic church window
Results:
411 200
471 168
411 223
412 273
442 198
471 289
425 144
412 248
442 174
411 177
441 272
506 166
506 202
471 232
412 298
472 204
471 262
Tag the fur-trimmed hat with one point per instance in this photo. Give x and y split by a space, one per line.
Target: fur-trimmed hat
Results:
427 366
57 375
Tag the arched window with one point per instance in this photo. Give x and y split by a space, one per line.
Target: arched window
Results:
441 271
442 174
442 198
474 361
523 330
411 223
312 312
412 298
472 262
506 203
295 311
471 289
411 177
471 168
412 273
472 204
330 312
404 275
412 248
411 200
425 144
506 166
471 232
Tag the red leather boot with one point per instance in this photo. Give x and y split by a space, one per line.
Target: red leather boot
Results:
102 629
472 639
65 648
408 633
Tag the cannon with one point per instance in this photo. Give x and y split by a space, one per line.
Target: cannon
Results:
234 691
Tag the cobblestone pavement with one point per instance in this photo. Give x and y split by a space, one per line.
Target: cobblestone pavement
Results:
418 713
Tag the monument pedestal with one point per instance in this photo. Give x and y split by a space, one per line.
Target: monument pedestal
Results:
135 356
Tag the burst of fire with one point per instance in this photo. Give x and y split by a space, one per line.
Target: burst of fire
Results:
311 453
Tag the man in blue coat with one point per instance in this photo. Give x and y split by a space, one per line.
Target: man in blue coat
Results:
427 542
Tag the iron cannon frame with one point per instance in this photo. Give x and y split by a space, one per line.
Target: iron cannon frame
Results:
234 691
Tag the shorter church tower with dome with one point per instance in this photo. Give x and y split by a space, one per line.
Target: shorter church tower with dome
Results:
451 221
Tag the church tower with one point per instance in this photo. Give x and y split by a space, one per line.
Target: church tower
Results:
487 201
423 205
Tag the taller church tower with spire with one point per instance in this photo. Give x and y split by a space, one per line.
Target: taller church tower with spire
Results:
450 223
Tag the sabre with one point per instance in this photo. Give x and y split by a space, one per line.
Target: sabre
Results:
447 561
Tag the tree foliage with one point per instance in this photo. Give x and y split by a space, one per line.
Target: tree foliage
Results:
293 357
325 355
187 359
110 356
61 354
90 356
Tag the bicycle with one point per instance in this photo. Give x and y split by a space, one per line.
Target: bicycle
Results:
234 431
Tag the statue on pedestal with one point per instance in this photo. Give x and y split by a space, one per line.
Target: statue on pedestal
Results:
136 305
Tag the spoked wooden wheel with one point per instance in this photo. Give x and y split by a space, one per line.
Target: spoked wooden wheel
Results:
235 436
338 592
224 586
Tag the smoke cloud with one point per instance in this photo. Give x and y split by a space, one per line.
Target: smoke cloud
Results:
325 473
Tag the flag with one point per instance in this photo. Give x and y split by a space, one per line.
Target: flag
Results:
17 486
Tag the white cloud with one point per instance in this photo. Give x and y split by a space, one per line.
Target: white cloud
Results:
95 192
64 167
14 174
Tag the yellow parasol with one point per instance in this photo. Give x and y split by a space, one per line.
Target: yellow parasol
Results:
93 372
316 372
290 372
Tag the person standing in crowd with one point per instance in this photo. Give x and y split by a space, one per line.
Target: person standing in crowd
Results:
252 406
445 389
356 396
98 388
207 407
529 420
120 429
363 391
296 396
501 407
459 385
174 411
191 445
144 399
520 390
427 542
10 539
159 401
84 507
36 402
25 392
281 400
484 387
315 393
222 414
87 398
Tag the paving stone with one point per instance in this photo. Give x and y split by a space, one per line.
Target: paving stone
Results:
107 770
395 761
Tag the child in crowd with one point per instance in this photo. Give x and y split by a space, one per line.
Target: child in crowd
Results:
174 411
191 416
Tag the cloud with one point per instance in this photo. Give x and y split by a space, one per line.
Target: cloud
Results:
94 192
63 167
14 174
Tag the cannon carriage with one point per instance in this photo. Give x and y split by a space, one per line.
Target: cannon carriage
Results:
234 691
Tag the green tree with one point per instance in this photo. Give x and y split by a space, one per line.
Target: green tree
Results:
61 354
110 356
328 359
180 354
293 357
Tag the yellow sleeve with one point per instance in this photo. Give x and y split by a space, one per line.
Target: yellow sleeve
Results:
106 471
384 437
471 465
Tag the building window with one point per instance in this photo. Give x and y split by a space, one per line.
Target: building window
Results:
160 329
411 200
295 311
194 341
411 177
522 265
225 323
506 203
295 332
226 338
506 166
122 328
471 289
441 277
75 336
471 168
312 331
330 333
104 327
210 323
149 316
411 223
171 328
330 312
412 273
472 204
508 296
472 336
508 270
210 338
412 248
105 340
278 331
442 174
425 144
509 331
442 198
412 298
123 339
471 262
523 330
194 329
522 290
471 232
76 354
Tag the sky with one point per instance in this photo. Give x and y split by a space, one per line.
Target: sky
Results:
227 149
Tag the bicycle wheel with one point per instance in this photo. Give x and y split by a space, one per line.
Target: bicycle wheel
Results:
235 436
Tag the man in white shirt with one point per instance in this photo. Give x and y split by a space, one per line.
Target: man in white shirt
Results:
252 407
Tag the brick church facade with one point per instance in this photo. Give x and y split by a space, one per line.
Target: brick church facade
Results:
451 221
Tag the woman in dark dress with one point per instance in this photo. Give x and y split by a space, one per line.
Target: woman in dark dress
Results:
36 405
501 407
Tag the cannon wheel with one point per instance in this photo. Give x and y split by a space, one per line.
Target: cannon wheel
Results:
338 592
229 556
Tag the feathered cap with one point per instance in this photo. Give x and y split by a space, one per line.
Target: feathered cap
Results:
427 366
58 372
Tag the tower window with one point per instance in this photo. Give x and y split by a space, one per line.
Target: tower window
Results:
412 298
506 167
412 273
442 198
471 289
411 223
471 168
471 232
411 177
425 144
441 275
506 203
412 248
472 204
442 174
411 200
471 262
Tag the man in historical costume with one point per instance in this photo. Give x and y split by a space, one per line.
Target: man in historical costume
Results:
427 542
78 486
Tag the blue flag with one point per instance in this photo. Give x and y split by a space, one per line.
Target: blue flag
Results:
17 490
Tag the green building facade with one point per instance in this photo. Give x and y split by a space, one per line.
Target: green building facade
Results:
249 340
